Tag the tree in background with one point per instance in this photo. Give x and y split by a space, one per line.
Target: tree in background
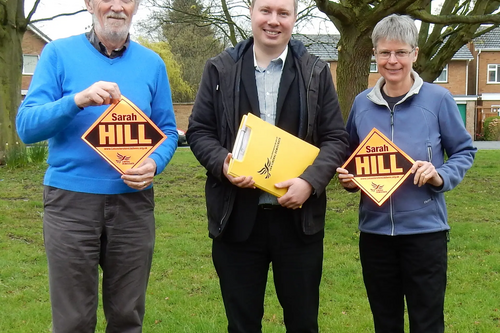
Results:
181 90
191 37
230 19
455 25
13 25
438 42
199 29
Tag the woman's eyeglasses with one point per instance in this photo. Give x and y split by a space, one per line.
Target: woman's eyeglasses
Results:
400 54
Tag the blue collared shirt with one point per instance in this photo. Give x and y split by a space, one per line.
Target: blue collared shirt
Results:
268 83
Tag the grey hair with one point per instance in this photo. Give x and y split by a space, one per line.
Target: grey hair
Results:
396 27
295 5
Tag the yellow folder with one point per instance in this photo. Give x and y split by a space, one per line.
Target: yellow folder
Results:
269 154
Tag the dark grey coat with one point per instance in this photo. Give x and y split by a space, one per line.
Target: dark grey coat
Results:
225 95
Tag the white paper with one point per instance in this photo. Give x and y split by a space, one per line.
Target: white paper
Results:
240 145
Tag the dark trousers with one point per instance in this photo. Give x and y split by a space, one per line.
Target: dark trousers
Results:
82 231
243 269
412 266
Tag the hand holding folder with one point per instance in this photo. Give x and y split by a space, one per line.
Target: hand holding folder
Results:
269 154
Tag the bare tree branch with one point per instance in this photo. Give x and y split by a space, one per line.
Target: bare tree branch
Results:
448 19
335 12
32 11
231 24
58 15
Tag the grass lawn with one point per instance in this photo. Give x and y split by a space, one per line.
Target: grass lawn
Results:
183 294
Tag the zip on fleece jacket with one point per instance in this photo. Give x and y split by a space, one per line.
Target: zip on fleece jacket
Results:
376 97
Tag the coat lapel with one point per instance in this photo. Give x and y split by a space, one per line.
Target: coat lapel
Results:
248 79
287 77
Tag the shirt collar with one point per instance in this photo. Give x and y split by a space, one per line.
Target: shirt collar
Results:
282 56
96 43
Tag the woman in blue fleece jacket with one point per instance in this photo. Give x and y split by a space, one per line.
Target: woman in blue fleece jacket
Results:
403 243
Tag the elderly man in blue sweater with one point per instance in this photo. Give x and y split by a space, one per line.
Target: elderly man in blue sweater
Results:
93 215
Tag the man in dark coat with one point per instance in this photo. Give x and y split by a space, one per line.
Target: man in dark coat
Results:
276 79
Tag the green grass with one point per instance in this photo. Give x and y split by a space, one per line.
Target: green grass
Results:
183 294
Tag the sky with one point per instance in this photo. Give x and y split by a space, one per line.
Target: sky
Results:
73 25
62 26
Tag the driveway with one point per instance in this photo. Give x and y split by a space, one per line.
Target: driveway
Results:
487 144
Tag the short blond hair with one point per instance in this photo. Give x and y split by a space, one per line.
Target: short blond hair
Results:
295 5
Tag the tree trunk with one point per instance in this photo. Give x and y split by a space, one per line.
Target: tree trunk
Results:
11 35
355 50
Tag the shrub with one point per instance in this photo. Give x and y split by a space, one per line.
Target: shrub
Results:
16 156
19 156
492 128
38 152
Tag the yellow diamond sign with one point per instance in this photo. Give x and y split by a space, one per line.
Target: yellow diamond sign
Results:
123 135
379 166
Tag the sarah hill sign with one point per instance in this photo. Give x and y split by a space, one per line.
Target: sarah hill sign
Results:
379 166
123 135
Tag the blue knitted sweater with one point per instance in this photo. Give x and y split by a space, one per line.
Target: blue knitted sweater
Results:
68 66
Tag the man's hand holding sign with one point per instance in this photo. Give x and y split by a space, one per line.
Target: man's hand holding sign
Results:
124 136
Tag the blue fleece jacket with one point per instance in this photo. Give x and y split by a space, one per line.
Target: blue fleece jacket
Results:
425 124
68 66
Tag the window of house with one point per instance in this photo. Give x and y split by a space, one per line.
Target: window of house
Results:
29 63
443 77
493 73
373 67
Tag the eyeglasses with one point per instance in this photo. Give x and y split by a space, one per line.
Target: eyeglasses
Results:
401 54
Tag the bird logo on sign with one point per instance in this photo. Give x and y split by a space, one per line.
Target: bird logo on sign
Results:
121 158
377 188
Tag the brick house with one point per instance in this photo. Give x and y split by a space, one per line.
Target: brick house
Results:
455 78
33 42
484 74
